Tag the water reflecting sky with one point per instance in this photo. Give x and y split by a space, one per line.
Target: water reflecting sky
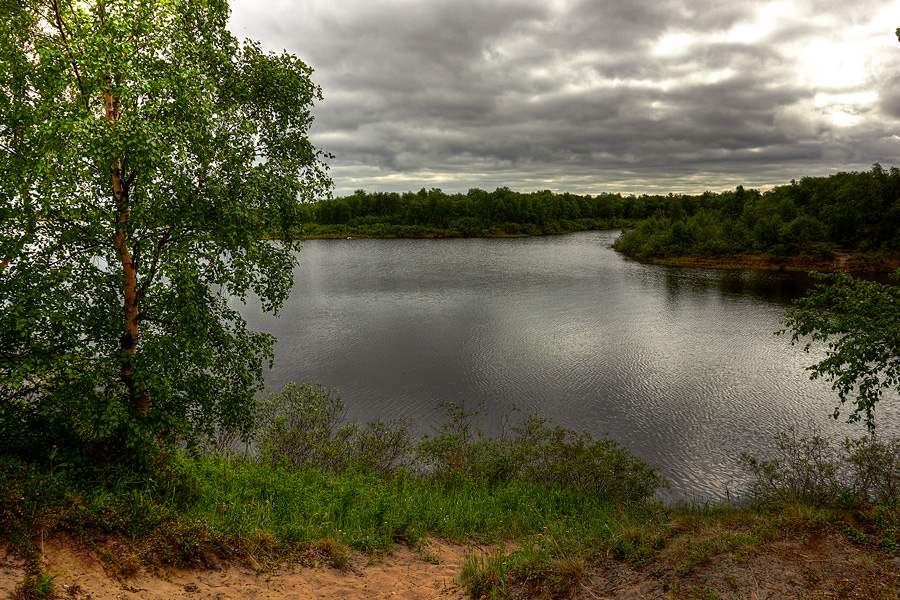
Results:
680 365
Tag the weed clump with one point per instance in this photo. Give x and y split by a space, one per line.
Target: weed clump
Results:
36 586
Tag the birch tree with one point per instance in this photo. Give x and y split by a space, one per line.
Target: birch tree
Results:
149 163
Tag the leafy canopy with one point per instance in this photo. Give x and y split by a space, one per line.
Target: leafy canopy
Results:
147 157
859 321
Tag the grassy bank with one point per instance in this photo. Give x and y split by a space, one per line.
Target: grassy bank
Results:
212 507
556 504
548 543
317 488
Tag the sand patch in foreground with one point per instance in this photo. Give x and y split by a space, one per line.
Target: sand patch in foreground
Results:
402 575
812 565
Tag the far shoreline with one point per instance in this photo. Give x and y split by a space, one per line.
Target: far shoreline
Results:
840 259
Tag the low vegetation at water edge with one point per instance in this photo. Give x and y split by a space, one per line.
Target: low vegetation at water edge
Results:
554 502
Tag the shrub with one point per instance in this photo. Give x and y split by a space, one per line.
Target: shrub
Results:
453 448
805 469
556 455
305 426
537 453
812 470
874 467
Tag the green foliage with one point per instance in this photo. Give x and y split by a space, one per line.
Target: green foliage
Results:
27 495
485 576
806 470
546 566
432 213
36 586
306 426
243 509
875 468
197 507
146 155
811 470
857 211
596 467
859 321
537 453
321 482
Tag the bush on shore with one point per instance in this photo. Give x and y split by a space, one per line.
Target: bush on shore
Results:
811 470
305 427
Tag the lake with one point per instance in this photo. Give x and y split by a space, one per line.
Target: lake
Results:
680 365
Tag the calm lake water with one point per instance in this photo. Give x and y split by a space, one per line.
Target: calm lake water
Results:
682 366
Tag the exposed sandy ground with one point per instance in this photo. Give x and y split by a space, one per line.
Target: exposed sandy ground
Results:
816 566
402 575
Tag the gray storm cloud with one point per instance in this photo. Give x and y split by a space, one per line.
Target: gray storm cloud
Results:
592 96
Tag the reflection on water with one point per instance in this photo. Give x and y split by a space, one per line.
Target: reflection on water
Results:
768 286
680 365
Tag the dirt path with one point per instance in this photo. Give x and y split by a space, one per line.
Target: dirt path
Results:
816 566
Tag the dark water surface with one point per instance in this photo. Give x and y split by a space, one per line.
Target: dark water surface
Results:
680 365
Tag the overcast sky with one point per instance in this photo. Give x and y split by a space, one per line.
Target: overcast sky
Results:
590 96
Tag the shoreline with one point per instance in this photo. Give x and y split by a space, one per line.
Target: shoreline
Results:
855 262
840 259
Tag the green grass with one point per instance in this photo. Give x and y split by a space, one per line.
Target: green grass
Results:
229 499
554 504
196 509
319 489
36 586
546 539
219 505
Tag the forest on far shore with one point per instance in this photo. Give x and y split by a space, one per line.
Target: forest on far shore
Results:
477 213
853 211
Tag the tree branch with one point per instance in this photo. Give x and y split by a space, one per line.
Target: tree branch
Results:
60 25
161 243
145 317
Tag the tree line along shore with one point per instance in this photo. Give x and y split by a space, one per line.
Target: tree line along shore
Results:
845 220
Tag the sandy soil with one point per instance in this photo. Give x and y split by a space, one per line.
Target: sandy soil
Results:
817 566
402 575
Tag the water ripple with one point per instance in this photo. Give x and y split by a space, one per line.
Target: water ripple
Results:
680 365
